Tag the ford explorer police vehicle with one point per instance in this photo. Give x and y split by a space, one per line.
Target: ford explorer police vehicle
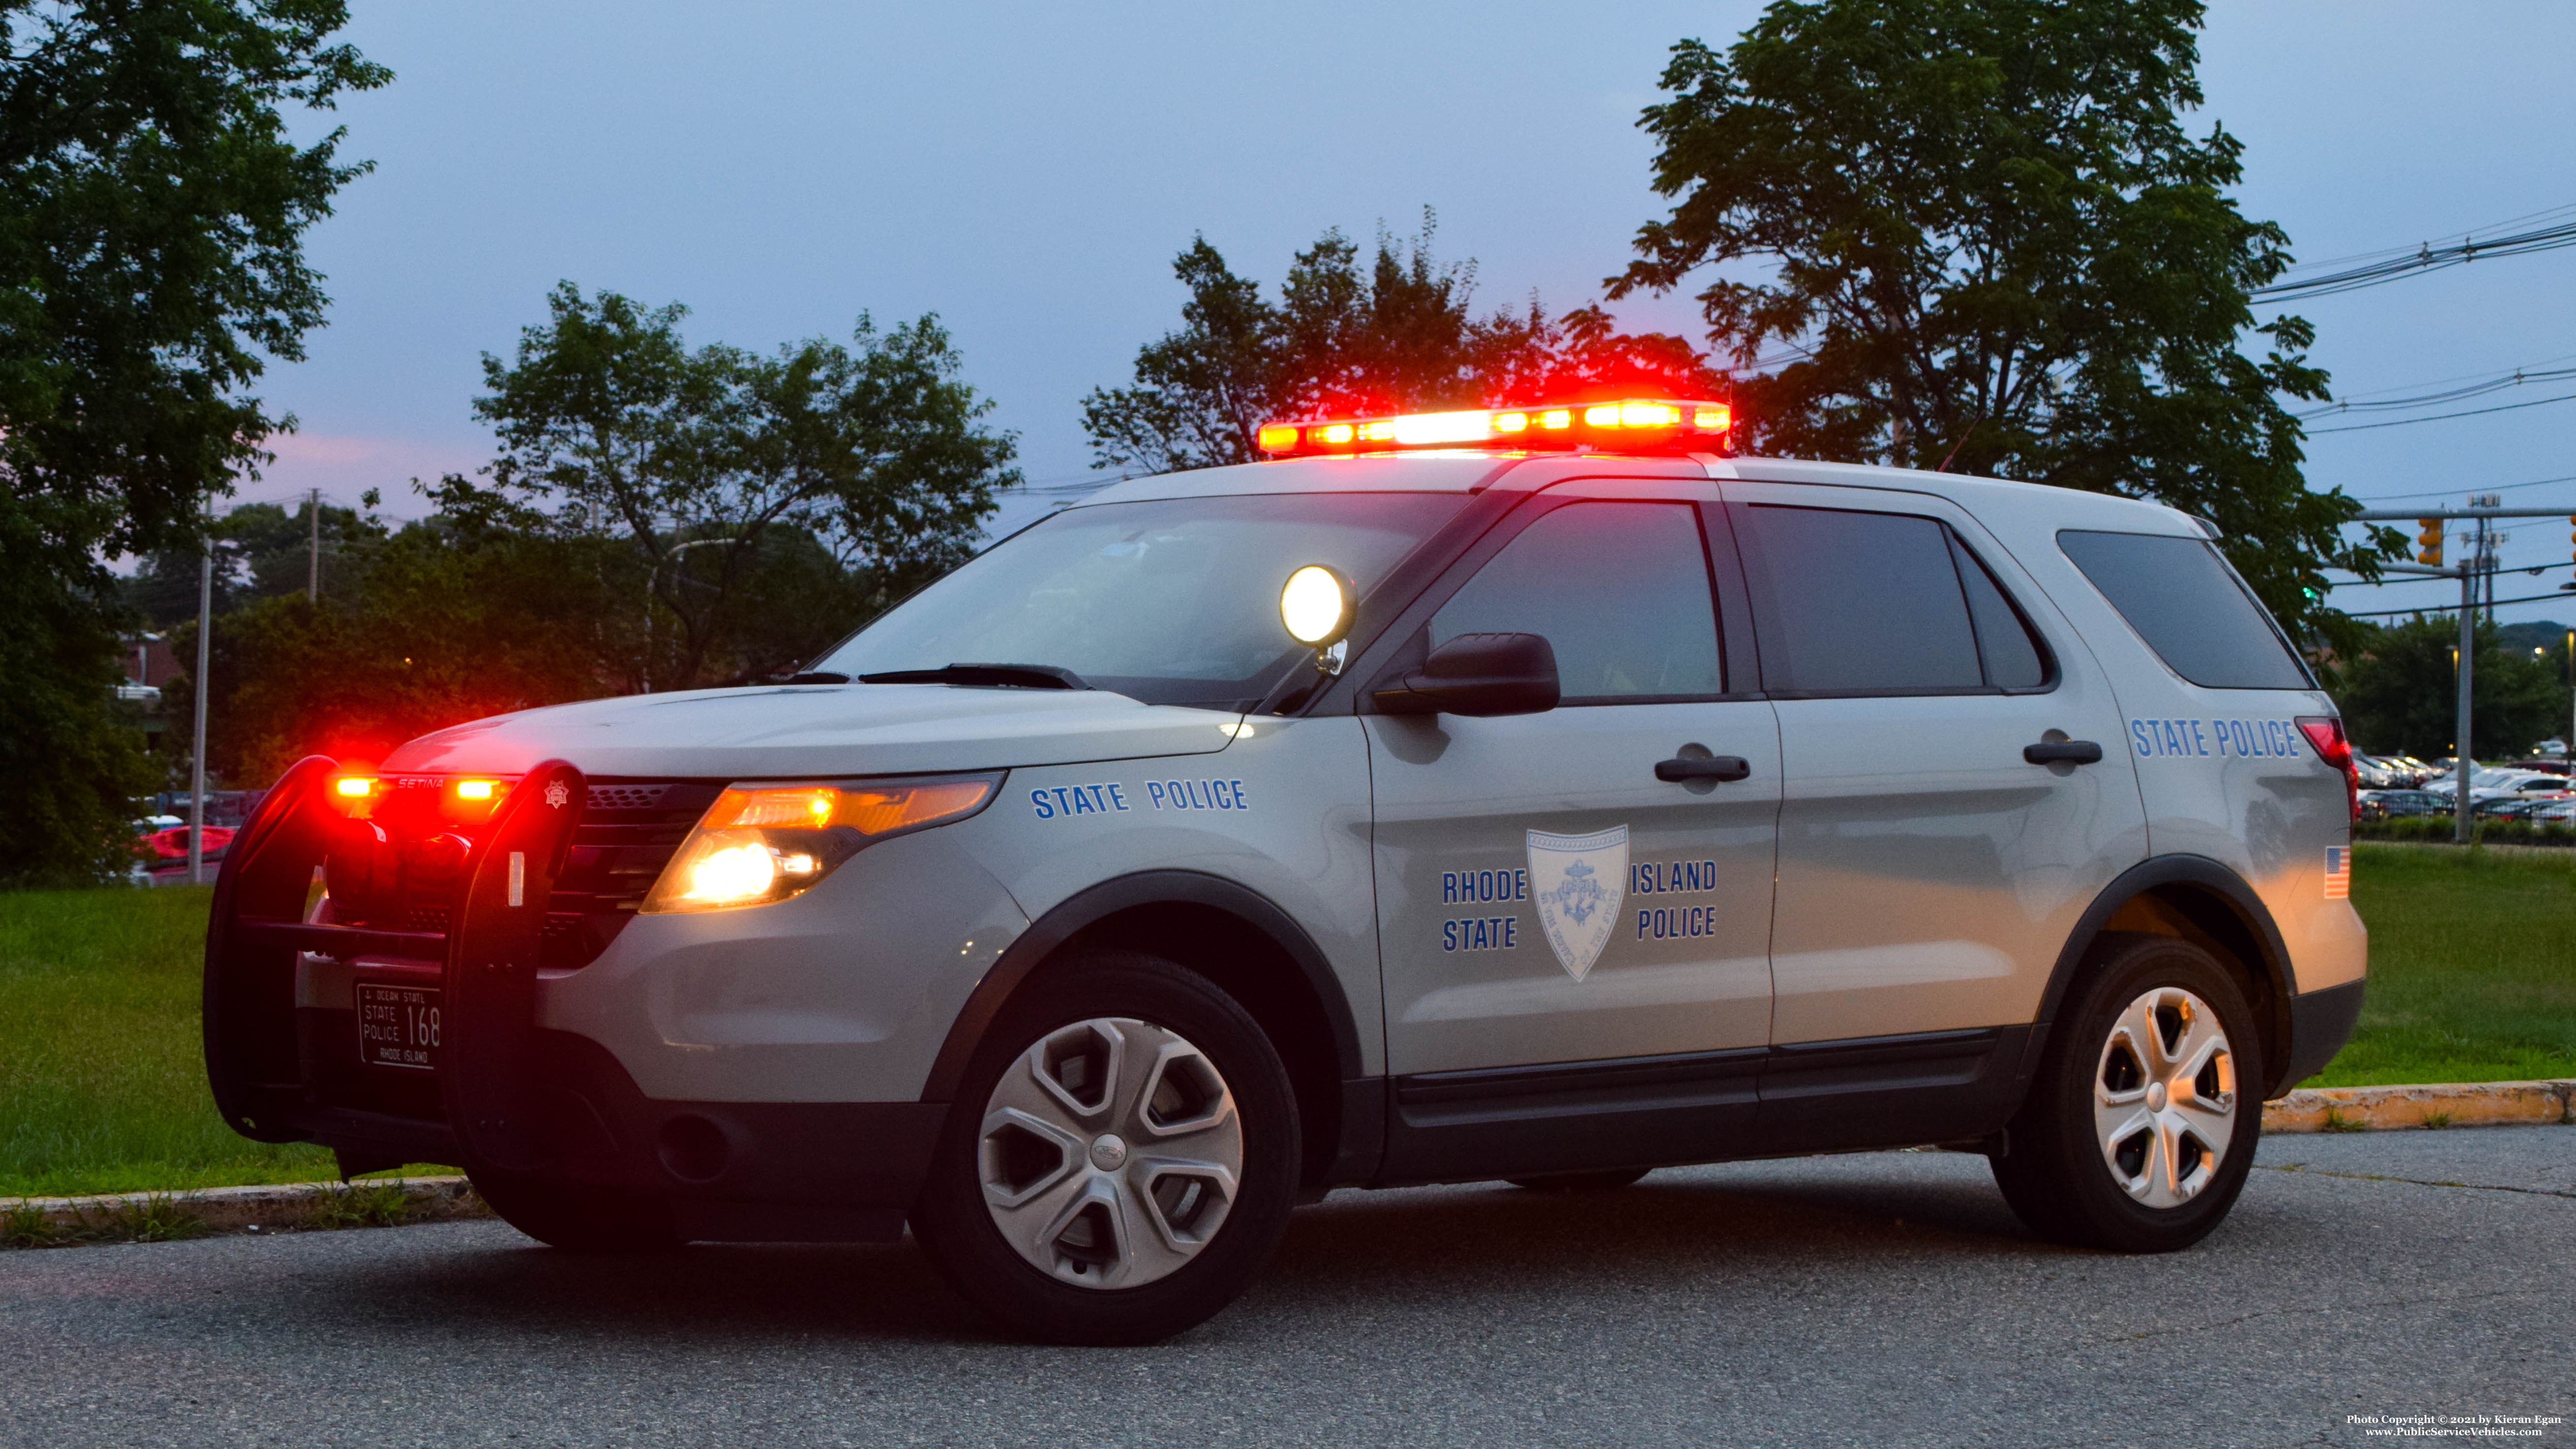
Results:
1542 795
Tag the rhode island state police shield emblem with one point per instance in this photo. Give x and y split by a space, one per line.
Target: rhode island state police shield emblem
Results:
1577 882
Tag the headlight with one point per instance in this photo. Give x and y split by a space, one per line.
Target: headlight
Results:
767 842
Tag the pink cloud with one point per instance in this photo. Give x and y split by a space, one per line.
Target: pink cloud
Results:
345 466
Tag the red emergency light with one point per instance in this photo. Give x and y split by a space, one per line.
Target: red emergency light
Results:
1629 425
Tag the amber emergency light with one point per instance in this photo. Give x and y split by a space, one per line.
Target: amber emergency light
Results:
1631 425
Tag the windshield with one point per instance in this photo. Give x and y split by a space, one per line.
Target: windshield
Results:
1171 601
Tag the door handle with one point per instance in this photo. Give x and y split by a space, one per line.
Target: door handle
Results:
1714 767
2063 752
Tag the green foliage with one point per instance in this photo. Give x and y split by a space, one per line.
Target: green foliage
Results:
2440 830
2399 691
359 1205
263 552
701 467
152 212
70 762
2468 967
451 619
1398 336
1992 246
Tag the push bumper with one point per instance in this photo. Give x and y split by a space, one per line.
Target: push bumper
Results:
507 1094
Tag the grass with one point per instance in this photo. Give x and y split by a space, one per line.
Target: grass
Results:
103 1087
102 1073
2472 967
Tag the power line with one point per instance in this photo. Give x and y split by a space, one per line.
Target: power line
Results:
2368 403
2426 257
2441 417
2562 597
2446 492
2402 251
2451 578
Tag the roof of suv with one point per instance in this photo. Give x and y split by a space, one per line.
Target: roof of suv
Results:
1464 470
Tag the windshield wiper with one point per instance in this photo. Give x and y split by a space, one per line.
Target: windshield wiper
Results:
1008 676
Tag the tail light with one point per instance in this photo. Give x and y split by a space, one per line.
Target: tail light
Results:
2325 735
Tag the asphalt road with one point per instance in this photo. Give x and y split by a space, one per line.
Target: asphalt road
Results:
1887 1299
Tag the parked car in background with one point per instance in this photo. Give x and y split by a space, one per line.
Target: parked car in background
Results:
164 846
2393 804
2506 807
2492 782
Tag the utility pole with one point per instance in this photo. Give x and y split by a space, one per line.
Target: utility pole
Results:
313 551
197 754
2473 571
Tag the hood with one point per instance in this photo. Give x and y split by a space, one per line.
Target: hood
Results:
799 731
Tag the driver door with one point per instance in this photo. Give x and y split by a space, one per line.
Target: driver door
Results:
1563 931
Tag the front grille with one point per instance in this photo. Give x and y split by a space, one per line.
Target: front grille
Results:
629 832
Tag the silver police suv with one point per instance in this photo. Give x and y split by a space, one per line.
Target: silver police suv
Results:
1541 795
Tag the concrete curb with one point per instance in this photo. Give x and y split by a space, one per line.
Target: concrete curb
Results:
282 1208
2459 1104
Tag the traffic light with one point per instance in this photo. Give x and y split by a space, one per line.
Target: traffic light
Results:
2429 541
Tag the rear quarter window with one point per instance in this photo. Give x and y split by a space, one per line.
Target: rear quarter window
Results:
2189 606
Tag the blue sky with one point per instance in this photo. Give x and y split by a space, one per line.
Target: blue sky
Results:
1028 172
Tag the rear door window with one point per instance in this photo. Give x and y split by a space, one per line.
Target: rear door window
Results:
2189 606
1847 602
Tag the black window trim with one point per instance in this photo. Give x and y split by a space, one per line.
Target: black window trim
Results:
2051 676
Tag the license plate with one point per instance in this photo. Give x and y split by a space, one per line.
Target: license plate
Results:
398 1026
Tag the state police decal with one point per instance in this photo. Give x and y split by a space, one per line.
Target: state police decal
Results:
1577 882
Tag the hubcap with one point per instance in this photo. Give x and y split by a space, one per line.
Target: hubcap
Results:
1110 1153
2164 1097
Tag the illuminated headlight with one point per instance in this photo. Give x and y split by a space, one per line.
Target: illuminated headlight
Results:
762 843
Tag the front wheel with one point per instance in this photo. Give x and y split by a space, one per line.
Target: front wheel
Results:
2141 1127
1120 1159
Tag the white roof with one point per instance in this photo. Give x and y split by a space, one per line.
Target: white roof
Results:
1458 471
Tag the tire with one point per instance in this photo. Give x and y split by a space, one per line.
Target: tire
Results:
2141 1126
579 1219
1120 1159
1582 1181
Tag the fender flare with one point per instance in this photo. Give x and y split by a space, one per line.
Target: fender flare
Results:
2211 876
1097 903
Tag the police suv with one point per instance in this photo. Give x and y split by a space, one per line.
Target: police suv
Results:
1542 795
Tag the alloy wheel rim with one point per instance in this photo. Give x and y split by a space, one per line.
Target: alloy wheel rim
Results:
2164 1097
1110 1153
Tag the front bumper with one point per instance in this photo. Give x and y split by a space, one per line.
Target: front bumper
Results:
509 1094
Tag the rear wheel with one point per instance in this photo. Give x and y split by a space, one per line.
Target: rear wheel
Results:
579 1219
1121 1157
2141 1127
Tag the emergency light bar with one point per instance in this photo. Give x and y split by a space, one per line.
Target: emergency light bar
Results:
1631 424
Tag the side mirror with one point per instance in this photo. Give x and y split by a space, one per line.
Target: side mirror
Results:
1477 674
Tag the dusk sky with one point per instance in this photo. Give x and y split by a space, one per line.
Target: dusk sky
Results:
1027 173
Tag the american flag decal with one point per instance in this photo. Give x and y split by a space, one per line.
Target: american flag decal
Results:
2338 872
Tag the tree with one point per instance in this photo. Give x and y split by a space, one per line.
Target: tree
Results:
152 213
2400 691
1397 337
702 464
1991 245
